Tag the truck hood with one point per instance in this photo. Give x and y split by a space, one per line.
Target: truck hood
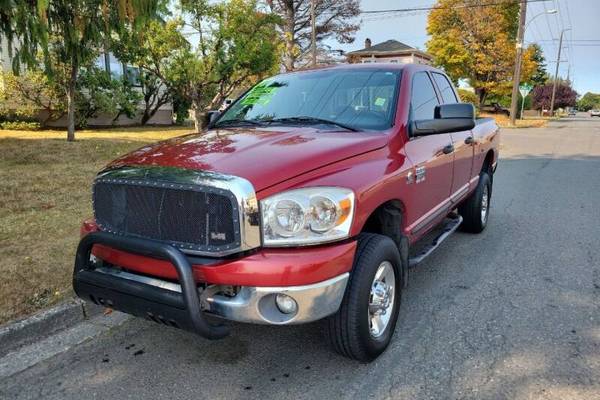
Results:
264 156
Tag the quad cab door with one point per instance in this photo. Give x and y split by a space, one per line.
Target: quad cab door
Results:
463 143
432 157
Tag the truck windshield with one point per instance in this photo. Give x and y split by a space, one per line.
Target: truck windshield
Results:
338 98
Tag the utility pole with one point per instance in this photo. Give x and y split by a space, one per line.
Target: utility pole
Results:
556 72
517 75
313 25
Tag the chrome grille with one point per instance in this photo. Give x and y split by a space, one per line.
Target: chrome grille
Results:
196 218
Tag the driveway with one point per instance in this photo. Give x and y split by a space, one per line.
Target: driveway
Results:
511 313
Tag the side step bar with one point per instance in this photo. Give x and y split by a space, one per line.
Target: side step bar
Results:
450 226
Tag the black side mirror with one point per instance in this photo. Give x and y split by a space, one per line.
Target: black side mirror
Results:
211 117
448 118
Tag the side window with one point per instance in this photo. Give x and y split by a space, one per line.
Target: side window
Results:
448 95
422 98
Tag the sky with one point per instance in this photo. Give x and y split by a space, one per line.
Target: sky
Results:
582 16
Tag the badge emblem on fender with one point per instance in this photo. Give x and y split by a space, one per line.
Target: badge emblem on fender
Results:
420 174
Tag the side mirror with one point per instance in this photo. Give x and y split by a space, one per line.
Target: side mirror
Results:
211 117
448 118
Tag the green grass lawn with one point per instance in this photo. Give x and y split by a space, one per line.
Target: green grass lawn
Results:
45 193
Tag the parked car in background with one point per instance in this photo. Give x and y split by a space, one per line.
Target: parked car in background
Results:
595 112
299 203
572 112
495 108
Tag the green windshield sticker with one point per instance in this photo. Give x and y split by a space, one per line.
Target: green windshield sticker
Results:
260 94
380 101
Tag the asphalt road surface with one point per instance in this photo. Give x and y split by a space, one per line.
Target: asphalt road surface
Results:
511 313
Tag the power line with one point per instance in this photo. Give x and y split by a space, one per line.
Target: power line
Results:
538 30
535 26
548 21
428 8
572 40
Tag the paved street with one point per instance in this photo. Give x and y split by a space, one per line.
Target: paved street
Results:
512 313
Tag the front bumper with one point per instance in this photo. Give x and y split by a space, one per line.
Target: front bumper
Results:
185 305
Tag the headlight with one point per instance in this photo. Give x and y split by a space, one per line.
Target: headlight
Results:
307 216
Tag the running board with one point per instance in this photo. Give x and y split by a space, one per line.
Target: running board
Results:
450 226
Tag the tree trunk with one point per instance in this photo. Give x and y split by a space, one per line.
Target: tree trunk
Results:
71 103
481 94
145 117
199 117
289 58
150 109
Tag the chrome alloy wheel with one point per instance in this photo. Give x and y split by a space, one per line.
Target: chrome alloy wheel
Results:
381 299
485 201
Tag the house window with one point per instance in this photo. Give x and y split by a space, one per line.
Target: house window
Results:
115 66
100 62
118 70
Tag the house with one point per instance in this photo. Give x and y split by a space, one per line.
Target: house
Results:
391 51
109 63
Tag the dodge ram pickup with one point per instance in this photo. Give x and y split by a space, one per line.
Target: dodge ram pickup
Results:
307 199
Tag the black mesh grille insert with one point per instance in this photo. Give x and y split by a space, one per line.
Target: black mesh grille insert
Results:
196 218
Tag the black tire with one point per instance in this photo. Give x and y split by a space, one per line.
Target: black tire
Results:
471 209
348 330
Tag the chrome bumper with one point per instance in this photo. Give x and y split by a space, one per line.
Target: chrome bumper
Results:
257 304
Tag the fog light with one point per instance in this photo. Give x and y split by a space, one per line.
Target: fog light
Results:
286 304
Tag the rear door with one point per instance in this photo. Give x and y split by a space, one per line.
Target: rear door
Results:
431 177
463 143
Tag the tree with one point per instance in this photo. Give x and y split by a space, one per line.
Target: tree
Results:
589 101
236 46
98 93
70 30
154 53
540 75
478 44
32 96
467 96
31 92
565 96
333 19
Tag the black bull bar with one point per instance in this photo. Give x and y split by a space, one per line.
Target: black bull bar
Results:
182 310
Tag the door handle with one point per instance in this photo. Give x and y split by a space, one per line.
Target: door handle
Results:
448 149
469 140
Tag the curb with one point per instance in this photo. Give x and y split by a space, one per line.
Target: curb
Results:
45 323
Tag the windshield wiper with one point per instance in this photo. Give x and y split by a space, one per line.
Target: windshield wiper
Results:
231 122
310 120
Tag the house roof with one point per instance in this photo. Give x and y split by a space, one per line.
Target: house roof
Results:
387 48
388 45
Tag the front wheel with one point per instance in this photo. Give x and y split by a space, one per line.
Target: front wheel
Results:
363 326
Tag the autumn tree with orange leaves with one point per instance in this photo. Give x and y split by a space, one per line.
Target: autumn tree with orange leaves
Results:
476 42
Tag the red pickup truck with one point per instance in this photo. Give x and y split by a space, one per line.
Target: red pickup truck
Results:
307 199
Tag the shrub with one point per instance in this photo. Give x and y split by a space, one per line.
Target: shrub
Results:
20 125
24 95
